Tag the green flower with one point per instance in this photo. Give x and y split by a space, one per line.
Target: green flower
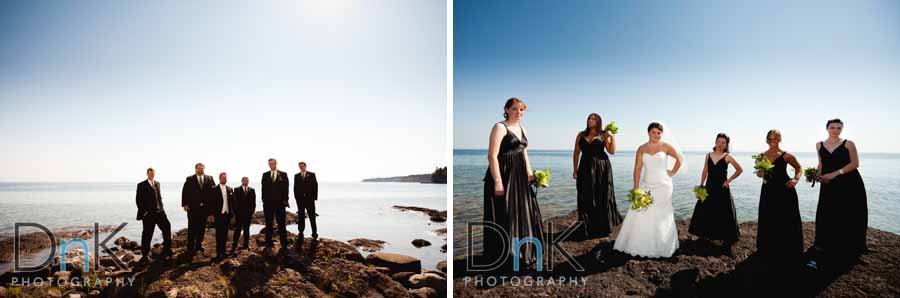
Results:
761 162
612 128
640 199
812 175
700 192
542 178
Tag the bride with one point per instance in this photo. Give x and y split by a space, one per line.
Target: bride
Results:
651 232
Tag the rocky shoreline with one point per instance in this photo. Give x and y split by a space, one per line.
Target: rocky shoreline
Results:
323 268
698 269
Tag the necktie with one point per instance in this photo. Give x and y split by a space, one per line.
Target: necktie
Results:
273 176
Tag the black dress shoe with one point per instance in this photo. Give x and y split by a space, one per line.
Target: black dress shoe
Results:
315 236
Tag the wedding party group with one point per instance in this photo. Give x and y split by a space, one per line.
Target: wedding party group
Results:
205 200
649 229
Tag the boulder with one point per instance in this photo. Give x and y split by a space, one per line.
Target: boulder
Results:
396 262
418 243
429 280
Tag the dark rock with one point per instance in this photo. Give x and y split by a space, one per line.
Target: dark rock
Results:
418 243
424 293
403 278
434 215
429 280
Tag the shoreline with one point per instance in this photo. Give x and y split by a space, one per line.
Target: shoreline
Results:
695 270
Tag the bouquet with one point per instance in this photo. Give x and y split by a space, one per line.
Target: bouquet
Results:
542 178
612 128
812 175
640 199
700 192
762 163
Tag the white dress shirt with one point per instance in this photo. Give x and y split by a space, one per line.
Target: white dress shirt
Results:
224 198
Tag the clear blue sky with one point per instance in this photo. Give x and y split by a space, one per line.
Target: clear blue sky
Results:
100 90
703 67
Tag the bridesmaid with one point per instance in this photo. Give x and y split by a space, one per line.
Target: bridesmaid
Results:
779 239
715 217
842 214
508 200
594 179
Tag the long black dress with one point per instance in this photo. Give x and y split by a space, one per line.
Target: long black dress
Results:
517 212
842 213
779 238
715 217
596 194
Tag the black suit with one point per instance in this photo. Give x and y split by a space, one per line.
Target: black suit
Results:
275 199
217 202
151 213
195 196
244 206
306 192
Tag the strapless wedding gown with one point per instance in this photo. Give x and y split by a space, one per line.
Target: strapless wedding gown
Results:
651 232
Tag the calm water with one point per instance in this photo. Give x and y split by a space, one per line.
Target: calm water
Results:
346 211
880 173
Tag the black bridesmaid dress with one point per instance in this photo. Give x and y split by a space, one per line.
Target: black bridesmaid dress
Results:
842 213
596 194
715 217
517 212
779 238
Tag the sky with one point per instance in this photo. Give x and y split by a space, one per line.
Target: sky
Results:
101 90
701 67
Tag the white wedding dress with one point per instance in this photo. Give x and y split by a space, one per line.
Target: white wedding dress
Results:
651 232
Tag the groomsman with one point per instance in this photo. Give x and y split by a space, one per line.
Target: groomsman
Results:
244 206
275 187
194 199
306 192
150 211
221 211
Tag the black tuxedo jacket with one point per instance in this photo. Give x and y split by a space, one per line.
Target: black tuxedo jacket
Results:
215 200
306 189
147 198
194 195
275 193
244 202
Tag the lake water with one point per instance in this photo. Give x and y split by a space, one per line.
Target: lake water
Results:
346 211
879 171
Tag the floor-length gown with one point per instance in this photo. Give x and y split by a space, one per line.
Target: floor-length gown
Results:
842 213
715 217
651 232
516 212
779 238
596 194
